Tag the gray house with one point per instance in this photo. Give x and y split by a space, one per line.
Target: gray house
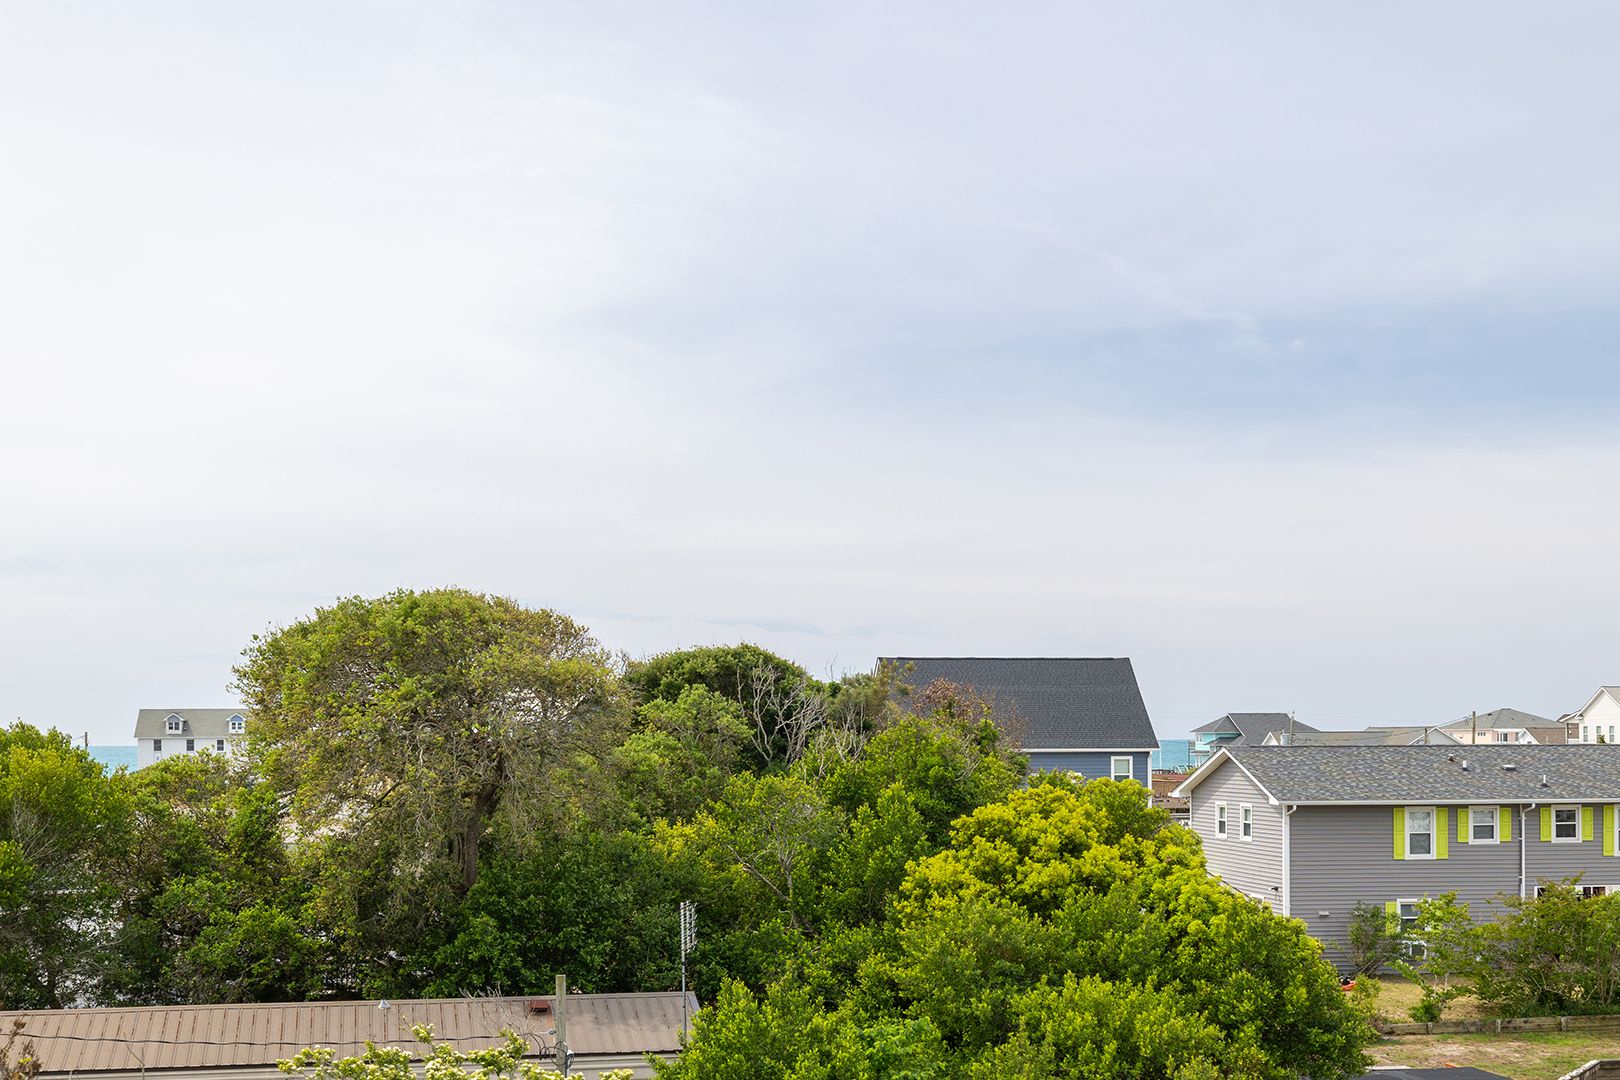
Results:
1080 714
1241 729
1314 830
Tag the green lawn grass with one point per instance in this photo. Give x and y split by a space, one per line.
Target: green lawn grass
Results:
1541 1055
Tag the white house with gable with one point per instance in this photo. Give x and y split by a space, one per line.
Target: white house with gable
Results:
1599 719
161 733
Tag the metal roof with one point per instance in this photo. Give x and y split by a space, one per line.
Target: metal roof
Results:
195 723
1505 772
216 1036
1069 703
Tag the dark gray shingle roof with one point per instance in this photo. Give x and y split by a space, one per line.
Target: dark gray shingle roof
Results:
1253 727
1072 703
1434 773
1373 736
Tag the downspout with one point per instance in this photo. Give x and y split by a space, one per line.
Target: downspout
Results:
1524 838
1288 870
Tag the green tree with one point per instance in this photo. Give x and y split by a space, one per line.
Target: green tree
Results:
209 904
59 814
1558 953
403 728
500 1062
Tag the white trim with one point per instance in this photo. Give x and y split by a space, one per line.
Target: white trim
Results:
1287 886
1496 823
1434 831
1089 749
1566 839
1185 787
1246 822
1113 766
1223 824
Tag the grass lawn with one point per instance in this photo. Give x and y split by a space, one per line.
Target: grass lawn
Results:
1541 1055
1397 995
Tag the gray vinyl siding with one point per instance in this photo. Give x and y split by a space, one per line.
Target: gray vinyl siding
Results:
1547 860
1252 867
1342 855
1088 763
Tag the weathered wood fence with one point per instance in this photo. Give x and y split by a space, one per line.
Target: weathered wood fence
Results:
1506 1026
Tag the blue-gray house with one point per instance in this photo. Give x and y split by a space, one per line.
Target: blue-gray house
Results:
1078 714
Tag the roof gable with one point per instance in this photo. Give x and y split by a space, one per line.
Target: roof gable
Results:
1069 703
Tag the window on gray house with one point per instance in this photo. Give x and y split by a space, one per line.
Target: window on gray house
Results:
191 744
1566 823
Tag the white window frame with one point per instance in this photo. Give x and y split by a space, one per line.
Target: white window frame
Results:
238 725
1412 949
1590 891
191 746
1574 808
157 746
173 725
1433 831
1113 767
1496 825
1246 823
1221 824
219 746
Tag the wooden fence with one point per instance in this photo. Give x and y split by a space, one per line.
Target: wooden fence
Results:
1505 1026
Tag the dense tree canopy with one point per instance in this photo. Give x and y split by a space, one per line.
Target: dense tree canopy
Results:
448 793
59 813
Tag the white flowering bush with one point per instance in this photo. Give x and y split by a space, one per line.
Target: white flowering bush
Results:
442 1062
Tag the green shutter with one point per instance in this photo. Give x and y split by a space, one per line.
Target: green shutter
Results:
1546 823
1465 817
1608 829
1504 823
1392 909
1586 823
1400 832
1442 828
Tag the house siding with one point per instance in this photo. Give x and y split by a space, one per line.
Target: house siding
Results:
1090 764
1252 867
1344 855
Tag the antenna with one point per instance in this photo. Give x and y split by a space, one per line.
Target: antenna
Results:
688 943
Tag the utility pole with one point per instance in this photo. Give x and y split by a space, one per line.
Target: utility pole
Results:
1473 728
565 1058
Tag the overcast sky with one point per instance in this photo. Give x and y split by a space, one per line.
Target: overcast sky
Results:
1271 345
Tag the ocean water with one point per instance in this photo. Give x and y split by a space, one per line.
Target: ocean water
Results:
1172 754
114 756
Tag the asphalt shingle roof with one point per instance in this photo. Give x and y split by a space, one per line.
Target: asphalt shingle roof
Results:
1253 727
1069 703
1373 736
1434 773
198 723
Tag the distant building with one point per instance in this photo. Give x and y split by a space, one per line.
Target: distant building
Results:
1509 726
163 733
1240 729
244 1042
1080 714
1598 720
1372 736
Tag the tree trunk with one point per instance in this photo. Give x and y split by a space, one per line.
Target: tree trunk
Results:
483 808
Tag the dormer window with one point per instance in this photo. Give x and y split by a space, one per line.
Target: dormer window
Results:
173 725
238 725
